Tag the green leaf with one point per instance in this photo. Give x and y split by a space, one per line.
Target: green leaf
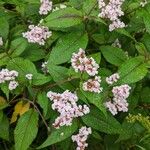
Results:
60 74
43 101
146 19
26 130
4 127
17 46
89 6
23 66
63 18
59 135
4 27
95 99
132 70
66 45
113 55
126 33
4 59
97 120
40 79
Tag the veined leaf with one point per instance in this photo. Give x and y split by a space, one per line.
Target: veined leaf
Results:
97 120
59 135
66 45
63 18
26 130
113 55
132 70
4 27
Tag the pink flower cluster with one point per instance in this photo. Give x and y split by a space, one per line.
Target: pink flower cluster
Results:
113 78
6 75
66 105
37 34
83 64
120 93
112 11
45 7
44 67
93 85
81 138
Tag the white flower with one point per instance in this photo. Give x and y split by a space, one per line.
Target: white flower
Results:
44 67
93 85
81 63
113 78
81 138
29 76
37 34
61 6
112 11
143 3
6 75
67 107
116 44
45 7
13 85
120 93
1 41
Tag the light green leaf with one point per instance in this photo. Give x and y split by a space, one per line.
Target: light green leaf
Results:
63 18
4 59
17 47
113 55
59 135
66 46
4 27
26 130
132 70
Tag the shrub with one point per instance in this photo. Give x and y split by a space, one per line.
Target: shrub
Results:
74 74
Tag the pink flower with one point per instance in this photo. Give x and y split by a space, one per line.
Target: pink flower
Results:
113 78
81 138
45 7
37 34
81 63
66 105
93 85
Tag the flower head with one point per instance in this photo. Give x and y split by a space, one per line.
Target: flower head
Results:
113 78
45 7
37 34
93 85
29 76
66 105
13 85
1 41
81 138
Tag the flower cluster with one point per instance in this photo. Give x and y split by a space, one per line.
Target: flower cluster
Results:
143 3
1 41
116 44
61 6
6 75
81 138
112 11
93 85
29 76
44 67
45 7
66 105
83 64
113 78
37 34
120 93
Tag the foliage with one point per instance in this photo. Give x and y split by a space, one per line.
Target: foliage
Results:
27 114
